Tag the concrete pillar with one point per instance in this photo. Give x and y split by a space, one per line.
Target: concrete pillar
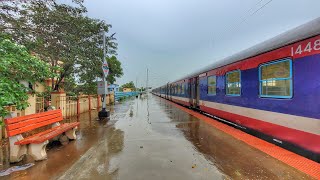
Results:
89 99
1 127
112 98
98 101
78 105
108 99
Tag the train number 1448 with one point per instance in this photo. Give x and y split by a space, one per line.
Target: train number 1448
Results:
305 48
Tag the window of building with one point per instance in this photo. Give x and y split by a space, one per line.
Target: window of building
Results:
276 79
233 83
212 85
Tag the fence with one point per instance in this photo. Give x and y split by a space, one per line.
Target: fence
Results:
119 95
70 105
75 105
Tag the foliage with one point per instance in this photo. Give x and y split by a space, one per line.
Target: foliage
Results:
62 35
141 89
115 69
16 65
128 85
90 87
70 85
87 88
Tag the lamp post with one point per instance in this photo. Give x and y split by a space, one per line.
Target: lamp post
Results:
104 113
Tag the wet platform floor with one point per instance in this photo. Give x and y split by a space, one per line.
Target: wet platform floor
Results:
150 138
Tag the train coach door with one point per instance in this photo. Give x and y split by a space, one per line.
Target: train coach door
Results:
191 90
170 92
197 93
194 92
167 92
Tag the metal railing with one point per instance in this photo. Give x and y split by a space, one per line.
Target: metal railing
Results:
75 105
119 95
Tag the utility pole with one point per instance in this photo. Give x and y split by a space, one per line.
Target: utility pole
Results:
136 85
104 113
104 75
147 80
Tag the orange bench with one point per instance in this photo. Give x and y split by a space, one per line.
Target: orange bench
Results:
35 145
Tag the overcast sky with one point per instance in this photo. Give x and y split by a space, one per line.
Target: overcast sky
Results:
175 37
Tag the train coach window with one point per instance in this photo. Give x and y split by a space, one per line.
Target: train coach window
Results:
233 83
212 85
276 79
182 88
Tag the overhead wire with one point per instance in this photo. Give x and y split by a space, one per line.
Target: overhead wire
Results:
264 5
246 17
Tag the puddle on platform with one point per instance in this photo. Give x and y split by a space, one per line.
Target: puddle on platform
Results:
149 138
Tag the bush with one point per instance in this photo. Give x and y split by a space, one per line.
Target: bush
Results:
16 64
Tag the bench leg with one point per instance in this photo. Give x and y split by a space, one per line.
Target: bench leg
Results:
38 151
64 140
17 152
57 137
71 134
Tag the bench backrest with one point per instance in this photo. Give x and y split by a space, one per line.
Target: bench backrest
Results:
30 122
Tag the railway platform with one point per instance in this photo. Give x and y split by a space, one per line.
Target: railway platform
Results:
152 138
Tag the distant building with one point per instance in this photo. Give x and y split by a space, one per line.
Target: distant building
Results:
127 89
113 88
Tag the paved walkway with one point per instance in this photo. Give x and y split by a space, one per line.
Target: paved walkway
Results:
150 138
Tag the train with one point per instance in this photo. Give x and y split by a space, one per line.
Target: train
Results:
271 90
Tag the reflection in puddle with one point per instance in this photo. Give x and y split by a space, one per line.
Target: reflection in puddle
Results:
175 145
232 157
61 158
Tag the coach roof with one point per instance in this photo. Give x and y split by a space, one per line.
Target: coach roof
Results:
299 33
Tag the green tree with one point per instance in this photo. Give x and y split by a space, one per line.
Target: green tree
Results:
128 85
141 89
115 69
88 86
62 35
18 65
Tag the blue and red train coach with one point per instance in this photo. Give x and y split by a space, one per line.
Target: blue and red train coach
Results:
271 90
